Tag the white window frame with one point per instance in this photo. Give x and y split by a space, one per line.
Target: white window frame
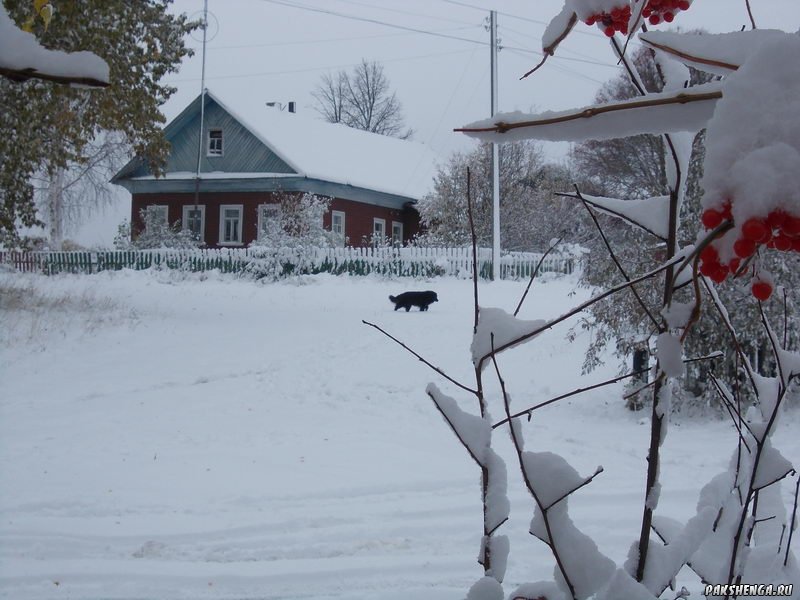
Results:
397 226
273 207
185 219
378 238
215 146
239 228
340 235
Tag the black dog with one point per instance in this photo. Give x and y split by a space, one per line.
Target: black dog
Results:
408 299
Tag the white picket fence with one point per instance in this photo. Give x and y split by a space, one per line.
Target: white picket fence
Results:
279 262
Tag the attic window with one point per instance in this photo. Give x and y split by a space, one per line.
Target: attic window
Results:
215 142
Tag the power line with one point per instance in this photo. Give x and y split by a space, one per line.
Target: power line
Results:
373 21
326 40
423 31
521 18
403 12
311 69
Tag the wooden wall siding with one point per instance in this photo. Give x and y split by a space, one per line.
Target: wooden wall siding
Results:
358 216
242 151
358 221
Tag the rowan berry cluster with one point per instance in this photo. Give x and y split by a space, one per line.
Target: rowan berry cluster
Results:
657 11
778 230
611 22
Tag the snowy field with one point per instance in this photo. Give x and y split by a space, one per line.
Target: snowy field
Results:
165 439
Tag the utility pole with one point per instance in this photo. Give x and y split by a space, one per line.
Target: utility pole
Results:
495 154
202 108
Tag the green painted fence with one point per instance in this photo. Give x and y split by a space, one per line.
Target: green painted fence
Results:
275 263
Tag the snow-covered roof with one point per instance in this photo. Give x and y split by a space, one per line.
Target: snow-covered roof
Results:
335 153
21 57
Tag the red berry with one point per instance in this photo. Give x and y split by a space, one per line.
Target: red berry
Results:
609 31
734 265
756 229
727 215
711 218
796 244
776 218
591 20
654 19
782 243
762 290
744 247
709 254
683 4
791 226
668 17
646 12
720 274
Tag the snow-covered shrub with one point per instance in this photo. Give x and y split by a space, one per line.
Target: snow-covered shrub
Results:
742 532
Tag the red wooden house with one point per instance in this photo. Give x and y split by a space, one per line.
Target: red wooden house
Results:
252 153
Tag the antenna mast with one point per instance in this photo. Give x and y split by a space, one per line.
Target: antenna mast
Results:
202 107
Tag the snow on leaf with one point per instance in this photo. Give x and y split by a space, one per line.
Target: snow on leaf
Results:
664 562
684 110
772 467
668 352
677 314
21 53
474 432
753 140
649 214
550 475
624 586
538 589
558 28
486 588
587 567
720 53
498 506
499 547
505 328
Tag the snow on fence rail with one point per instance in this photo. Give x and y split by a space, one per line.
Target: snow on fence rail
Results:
279 262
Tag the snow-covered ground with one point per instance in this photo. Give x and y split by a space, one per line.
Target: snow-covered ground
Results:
165 439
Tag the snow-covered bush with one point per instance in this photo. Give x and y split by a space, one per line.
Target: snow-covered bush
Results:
742 532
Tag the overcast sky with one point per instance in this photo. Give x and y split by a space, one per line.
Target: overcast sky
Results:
435 53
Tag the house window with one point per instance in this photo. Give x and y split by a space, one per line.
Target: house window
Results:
397 233
337 225
194 220
269 220
230 224
215 142
378 231
156 217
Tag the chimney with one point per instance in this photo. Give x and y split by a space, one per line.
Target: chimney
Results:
292 107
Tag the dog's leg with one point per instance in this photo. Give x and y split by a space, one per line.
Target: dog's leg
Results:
408 307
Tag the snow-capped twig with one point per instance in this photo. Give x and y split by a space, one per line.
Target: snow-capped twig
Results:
723 313
586 481
750 14
574 392
682 97
550 49
580 308
794 521
733 411
518 447
533 276
421 359
685 56
613 255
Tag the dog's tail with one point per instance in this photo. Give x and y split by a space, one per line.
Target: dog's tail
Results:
393 299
